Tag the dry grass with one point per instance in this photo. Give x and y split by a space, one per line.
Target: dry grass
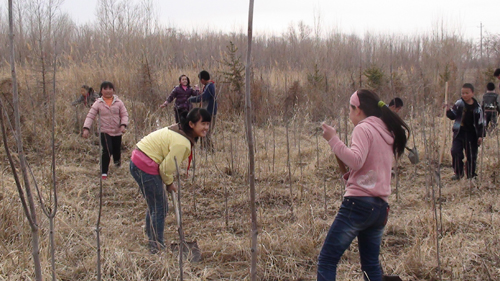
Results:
289 241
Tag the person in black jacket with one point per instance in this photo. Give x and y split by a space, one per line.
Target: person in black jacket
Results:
468 132
497 74
208 99
490 106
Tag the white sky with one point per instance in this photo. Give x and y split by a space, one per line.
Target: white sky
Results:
358 16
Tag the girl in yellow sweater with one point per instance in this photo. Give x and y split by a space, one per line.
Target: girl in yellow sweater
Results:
152 165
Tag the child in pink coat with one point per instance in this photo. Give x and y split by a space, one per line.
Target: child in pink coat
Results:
378 135
113 123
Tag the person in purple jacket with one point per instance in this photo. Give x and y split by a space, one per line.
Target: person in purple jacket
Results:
181 94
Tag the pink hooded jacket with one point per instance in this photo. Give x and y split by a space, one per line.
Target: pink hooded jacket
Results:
369 158
112 117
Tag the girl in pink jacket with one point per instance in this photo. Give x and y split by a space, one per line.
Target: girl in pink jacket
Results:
379 134
113 118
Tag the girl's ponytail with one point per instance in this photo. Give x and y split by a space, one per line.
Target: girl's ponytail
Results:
371 105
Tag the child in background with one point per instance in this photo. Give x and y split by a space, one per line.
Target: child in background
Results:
88 96
490 106
468 132
113 123
181 94
379 135
497 75
208 99
152 165
396 104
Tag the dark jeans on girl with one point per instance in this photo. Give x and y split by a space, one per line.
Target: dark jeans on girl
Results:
151 187
110 146
465 140
362 217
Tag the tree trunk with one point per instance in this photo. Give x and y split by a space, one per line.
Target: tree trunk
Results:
32 212
251 151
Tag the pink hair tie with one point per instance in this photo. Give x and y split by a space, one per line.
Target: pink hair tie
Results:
355 99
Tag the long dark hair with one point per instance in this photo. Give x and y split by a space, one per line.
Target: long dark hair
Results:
196 114
371 106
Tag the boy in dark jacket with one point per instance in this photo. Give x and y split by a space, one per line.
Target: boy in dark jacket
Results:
490 106
468 132
208 100
497 74
396 104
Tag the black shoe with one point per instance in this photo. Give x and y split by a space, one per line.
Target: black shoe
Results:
472 177
118 164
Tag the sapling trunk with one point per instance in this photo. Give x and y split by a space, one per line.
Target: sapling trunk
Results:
267 151
288 166
251 166
498 145
437 229
300 165
396 173
481 163
317 151
232 154
441 153
294 132
345 128
274 146
31 214
50 211
182 241
193 182
324 196
98 224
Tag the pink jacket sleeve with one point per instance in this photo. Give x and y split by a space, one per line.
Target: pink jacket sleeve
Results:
123 115
91 115
355 156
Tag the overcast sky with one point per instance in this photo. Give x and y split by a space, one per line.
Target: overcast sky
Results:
358 16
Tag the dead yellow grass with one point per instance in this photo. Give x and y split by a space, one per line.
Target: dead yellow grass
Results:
289 241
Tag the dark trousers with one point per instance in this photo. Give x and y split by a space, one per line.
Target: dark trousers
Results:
465 140
110 146
491 117
180 113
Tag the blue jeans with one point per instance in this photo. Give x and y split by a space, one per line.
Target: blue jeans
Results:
362 217
151 187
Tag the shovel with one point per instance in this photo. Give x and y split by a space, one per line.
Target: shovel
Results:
189 249
413 155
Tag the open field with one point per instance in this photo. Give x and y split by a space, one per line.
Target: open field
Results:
437 229
291 229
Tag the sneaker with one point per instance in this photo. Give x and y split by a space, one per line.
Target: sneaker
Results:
455 177
104 176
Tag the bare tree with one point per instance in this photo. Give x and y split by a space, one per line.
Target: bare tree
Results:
26 200
251 151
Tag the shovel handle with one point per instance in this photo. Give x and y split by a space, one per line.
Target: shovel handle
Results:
176 207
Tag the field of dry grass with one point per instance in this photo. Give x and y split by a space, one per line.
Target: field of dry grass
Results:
299 78
291 228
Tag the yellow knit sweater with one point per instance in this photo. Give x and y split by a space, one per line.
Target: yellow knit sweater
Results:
162 146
